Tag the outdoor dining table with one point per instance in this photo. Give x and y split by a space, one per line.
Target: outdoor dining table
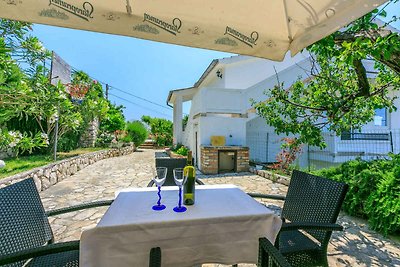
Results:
223 226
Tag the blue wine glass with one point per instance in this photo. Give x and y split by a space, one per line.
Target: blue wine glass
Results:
180 180
159 178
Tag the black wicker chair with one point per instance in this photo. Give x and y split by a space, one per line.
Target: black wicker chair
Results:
155 257
171 164
269 256
312 204
26 238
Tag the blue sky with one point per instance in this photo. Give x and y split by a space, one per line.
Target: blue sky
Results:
143 68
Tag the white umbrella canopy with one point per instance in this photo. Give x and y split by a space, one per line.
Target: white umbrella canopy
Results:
261 28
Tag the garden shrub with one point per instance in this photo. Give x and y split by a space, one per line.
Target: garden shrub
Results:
69 141
114 119
291 149
104 139
160 129
374 191
136 133
383 205
182 151
176 147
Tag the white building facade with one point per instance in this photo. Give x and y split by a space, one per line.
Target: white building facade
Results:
221 106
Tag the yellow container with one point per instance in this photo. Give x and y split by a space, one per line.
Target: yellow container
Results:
217 140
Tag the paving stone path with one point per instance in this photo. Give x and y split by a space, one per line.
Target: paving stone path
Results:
356 246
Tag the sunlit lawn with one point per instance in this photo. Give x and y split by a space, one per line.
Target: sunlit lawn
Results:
21 164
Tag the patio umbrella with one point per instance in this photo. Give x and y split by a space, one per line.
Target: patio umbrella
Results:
261 28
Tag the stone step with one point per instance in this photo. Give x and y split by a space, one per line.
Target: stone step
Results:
148 144
146 147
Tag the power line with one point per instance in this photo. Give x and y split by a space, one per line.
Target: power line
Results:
168 107
128 93
127 100
141 98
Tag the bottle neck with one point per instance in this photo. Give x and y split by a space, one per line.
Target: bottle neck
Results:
189 161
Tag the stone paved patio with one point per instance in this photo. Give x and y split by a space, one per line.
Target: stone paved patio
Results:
356 246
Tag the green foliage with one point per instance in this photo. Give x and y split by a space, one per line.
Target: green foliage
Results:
21 164
68 141
185 121
114 119
160 129
176 147
374 191
336 95
136 133
104 139
22 142
182 151
383 205
291 149
15 97
94 104
30 105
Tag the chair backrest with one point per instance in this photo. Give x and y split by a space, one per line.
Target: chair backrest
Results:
269 256
155 257
23 221
170 164
313 199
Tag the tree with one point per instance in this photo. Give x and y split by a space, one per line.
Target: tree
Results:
114 119
160 129
93 107
136 132
338 95
30 104
16 95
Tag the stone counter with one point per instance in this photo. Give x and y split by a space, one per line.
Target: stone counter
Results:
209 158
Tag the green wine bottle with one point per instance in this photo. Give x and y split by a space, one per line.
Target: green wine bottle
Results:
189 188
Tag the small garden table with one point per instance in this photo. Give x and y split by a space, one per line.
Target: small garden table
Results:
222 227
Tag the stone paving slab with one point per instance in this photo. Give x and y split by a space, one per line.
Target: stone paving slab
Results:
356 246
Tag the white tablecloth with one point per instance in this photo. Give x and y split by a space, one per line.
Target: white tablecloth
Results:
222 227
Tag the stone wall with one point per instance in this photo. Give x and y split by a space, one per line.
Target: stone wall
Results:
209 158
242 160
88 138
276 178
53 173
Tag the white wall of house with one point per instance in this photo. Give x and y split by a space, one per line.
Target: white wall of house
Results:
234 130
210 115
245 78
242 75
222 100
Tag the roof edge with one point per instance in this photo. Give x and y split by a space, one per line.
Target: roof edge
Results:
206 72
176 90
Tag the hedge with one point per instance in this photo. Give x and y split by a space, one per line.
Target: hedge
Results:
374 191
